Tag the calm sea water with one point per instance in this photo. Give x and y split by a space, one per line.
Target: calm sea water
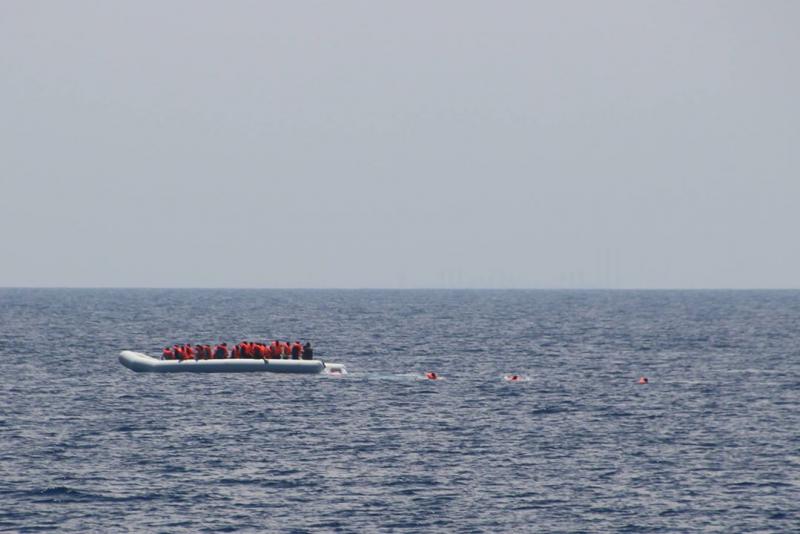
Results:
712 444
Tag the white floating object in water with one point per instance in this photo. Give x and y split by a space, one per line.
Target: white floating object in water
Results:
142 363
335 369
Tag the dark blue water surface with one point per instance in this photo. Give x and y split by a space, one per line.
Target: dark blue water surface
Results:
712 444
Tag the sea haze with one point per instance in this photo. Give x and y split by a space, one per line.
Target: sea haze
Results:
710 445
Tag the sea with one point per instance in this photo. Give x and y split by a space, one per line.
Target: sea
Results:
710 444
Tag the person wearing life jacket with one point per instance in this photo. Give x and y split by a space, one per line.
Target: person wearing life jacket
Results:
220 352
431 375
258 352
166 354
275 348
308 352
286 351
297 348
643 380
177 352
188 353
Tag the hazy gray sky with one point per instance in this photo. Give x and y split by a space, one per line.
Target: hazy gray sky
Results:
400 144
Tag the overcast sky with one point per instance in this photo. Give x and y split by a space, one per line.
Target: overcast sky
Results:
400 144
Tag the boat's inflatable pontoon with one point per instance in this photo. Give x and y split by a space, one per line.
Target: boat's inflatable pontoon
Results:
142 363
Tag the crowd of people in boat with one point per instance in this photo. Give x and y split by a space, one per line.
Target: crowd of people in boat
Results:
277 350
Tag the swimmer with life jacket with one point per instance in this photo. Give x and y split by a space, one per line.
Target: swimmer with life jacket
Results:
430 375
513 378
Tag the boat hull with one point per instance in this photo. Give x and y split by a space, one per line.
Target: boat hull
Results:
142 363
